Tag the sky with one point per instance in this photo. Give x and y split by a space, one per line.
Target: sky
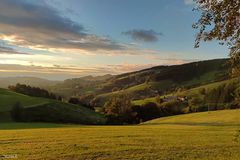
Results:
60 39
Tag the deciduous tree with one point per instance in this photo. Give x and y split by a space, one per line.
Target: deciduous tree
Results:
220 20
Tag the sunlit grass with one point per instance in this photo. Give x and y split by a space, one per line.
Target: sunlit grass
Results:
191 140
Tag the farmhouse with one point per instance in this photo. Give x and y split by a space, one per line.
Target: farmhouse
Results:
172 98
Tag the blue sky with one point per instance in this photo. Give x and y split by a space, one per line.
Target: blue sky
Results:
58 39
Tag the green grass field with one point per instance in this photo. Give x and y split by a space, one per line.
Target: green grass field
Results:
9 98
51 110
205 136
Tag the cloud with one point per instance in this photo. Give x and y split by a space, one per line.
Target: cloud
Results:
189 2
143 35
38 26
8 50
58 72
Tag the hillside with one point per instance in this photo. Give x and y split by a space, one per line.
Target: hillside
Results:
161 80
195 91
138 85
41 109
80 86
210 136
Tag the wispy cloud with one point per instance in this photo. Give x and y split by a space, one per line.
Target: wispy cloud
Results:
143 35
59 72
40 26
8 50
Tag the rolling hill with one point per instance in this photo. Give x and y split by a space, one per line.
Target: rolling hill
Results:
161 80
143 85
213 118
139 85
79 86
41 109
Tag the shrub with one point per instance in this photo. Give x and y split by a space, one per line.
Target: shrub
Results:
221 95
172 107
202 91
115 89
194 103
147 111
76 101
17 112
119 109
159 100
73 100
236 102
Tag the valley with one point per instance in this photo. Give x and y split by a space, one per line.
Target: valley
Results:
120 80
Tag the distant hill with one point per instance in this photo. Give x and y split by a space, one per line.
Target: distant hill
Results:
47 110
80 86
147 82
187 75
138 85
161 80
95 78
32 81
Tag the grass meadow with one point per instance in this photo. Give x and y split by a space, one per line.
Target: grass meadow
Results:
207 135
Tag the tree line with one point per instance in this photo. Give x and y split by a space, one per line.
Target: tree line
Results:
120 110
33 91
